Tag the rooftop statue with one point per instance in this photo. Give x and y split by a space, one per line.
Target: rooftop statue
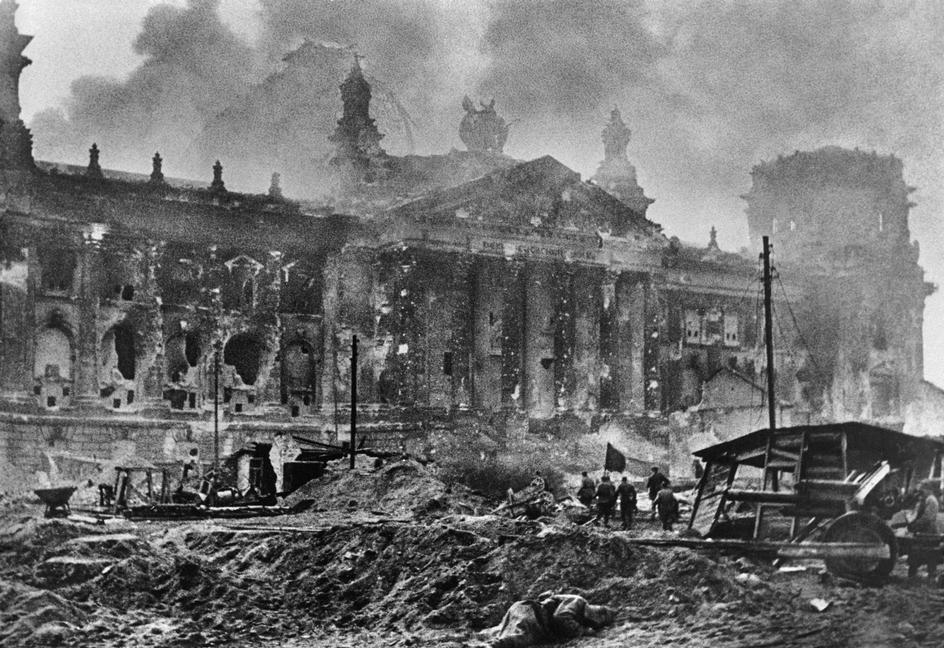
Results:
482 129
615 137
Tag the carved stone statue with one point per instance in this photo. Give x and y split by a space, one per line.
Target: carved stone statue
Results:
615 137
482 129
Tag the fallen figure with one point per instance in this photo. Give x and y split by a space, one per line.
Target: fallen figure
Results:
553 617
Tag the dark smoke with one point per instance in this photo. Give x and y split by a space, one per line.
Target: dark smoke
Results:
193 67
566 58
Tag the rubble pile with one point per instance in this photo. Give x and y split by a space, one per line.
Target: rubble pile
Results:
383 558
400 488
218 584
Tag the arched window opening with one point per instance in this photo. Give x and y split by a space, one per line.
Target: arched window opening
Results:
57 268
243 352
298 375
118 351
192 348
53 357
175 359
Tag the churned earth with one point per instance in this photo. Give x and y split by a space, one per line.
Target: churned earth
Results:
395 558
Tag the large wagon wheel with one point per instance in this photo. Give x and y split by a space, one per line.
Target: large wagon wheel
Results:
862 528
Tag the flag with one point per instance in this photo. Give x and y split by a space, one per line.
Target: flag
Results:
615 460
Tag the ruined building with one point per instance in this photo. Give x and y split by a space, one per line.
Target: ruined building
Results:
840 222
480 287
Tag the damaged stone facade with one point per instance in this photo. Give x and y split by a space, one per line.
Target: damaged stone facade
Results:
477 285
840 222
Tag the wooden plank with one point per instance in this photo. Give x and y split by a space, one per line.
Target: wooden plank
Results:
781 549
834 550
763 496
784 454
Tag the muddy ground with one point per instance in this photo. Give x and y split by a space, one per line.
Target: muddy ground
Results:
395 558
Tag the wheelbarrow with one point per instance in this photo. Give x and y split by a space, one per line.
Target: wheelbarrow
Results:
56 500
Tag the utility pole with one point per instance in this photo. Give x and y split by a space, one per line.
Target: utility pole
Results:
353 399
769 337
216 414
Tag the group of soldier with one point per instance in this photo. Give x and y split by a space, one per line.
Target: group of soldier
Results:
605 495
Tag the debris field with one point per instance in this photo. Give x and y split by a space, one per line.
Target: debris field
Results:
394 557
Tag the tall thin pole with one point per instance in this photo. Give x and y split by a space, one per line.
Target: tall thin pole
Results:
353 399
769 337
216 409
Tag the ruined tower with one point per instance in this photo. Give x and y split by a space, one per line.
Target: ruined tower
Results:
616 174
16 145
358 156
838 219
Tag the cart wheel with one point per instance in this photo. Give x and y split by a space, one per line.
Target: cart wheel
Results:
865 528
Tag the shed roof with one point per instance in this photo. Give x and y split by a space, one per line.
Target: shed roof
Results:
882 443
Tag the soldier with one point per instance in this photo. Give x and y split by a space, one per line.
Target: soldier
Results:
627 500
654 484
587 490
553 617
925 522
667 506
606 500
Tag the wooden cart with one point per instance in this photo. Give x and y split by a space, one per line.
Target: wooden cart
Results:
837 484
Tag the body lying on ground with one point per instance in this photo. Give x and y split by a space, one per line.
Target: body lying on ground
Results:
553 617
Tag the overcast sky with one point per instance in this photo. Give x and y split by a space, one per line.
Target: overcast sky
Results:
708 88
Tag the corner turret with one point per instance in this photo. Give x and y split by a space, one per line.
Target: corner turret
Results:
16 144
358 156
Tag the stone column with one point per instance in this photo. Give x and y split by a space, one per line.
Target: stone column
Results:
487 333
539 329
88 343
652 385
18 327
588 303
330 300
631 317
609 344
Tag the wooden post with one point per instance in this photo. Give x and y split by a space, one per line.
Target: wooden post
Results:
769 338
353 399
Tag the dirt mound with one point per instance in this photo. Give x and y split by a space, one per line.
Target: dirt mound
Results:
14 481
397 489
457 573
35 617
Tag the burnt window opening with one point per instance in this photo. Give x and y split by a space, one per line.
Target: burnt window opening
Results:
227 394
130 396
37 390
250 398
243 352
249 291
298 371
447 363
127 292
301 291
192 400
50 401
295 410
547 363
238 407
192 349
57 269
116 403
66 391
177 397
123 345
491 318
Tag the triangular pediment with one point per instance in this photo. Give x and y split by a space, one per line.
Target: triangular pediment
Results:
542 194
